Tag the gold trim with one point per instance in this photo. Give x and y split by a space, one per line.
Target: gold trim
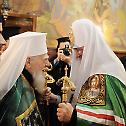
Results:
25 114
93 91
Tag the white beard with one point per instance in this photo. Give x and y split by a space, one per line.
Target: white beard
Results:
39 81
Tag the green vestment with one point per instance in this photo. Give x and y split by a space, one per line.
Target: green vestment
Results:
18 107
112 113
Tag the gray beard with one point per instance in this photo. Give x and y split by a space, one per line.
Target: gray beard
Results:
39 81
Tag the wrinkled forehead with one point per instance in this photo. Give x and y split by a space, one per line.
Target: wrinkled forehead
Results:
42 57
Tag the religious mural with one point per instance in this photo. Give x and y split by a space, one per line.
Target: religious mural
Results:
55 17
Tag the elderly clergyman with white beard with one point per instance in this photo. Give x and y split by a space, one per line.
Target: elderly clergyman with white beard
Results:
26 52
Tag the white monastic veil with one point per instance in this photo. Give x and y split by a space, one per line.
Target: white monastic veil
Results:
97 57
13 59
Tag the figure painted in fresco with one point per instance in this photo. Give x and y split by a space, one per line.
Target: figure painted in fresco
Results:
112 21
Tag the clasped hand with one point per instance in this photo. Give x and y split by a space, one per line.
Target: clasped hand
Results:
64 112
48 95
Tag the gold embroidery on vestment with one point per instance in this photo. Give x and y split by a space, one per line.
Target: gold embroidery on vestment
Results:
93 91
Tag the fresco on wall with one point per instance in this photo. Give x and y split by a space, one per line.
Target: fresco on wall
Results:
55 17
109 16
